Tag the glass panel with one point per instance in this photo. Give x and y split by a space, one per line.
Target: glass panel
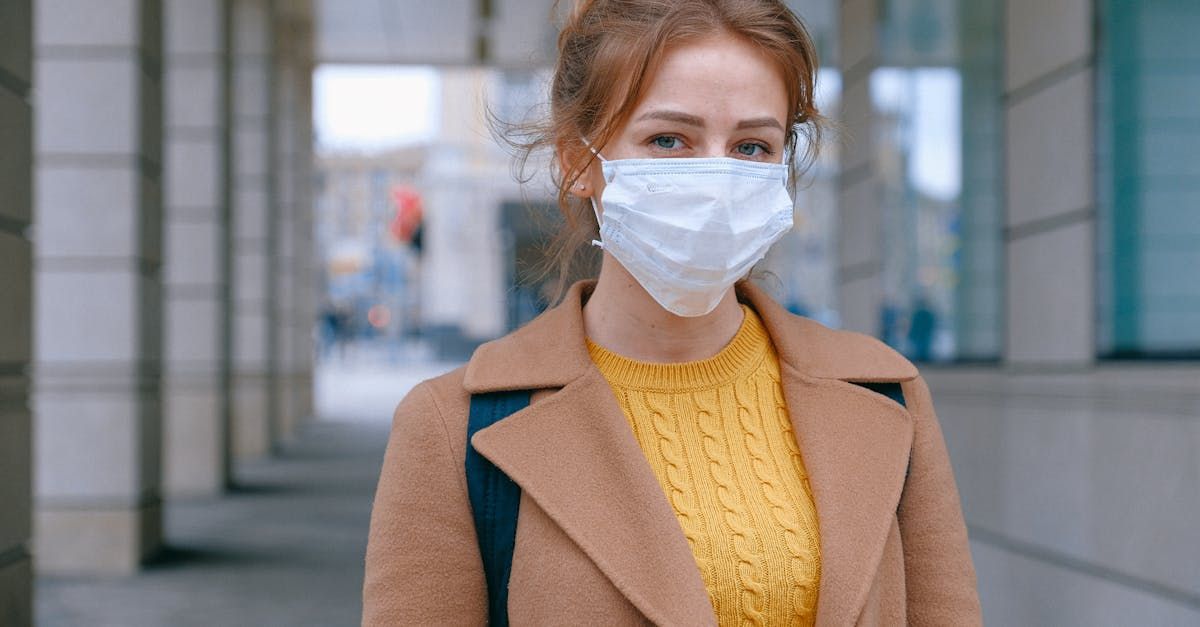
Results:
937 96
1148 174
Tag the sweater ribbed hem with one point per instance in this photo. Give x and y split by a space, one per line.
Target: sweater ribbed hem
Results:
737 359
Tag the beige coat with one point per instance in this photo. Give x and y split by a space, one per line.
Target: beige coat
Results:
598 543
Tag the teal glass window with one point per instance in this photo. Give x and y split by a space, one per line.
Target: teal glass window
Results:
1148 179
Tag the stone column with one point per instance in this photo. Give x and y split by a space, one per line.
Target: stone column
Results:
16 278
196 272
1050 154
294 154
283 271
99 292
305 303
860 212
253 232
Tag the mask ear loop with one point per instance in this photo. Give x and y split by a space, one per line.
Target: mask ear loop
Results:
595 208
597 243
592 148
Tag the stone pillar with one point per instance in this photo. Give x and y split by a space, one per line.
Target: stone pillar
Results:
463 275
860 211
1050 154
304 303
283 273
99 292
16 278
196 272
294 155
253 230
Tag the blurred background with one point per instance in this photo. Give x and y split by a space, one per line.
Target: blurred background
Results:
234 233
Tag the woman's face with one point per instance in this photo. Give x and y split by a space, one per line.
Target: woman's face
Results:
715 97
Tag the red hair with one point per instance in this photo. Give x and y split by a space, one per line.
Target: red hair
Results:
607 53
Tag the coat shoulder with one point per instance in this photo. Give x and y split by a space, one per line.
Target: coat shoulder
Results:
850 355
440 400
819 351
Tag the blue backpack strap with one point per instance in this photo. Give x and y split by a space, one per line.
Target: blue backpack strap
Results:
495 500
889 389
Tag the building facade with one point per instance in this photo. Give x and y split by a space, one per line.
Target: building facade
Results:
1060 266
1010 197
155 231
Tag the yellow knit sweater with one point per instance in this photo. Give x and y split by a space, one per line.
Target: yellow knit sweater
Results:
717 435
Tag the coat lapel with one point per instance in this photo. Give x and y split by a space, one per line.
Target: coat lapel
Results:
573 452
855 446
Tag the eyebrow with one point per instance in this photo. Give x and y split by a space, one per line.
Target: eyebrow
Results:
760 123
692 120
672 116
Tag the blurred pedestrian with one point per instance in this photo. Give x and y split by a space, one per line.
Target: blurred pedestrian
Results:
331 329
921 330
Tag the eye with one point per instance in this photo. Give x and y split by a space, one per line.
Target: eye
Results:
752 149
666 142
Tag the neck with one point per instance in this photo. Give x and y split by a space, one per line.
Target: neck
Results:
623 318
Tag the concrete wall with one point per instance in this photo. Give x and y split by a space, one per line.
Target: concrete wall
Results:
253 230
16 311
99 293
293 274
464 182
196 271
1050 190
126 316
1079 491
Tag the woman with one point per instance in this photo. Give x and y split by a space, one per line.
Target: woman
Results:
692 454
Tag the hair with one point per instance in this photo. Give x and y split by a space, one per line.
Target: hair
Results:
607 53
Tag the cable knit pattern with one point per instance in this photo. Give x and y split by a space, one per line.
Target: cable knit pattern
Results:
718 437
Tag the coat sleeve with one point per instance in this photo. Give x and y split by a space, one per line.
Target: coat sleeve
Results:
422 561
939 576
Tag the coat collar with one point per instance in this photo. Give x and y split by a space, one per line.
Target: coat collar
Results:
573 453
808 346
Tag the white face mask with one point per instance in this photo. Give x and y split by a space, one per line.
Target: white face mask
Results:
688 228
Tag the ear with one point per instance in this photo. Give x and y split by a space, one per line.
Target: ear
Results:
572 154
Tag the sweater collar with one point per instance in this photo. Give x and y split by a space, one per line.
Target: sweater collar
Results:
741 356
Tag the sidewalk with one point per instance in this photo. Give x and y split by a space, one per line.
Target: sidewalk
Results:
367 390
285 547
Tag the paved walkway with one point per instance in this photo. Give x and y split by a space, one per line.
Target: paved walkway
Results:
1034 455
285 548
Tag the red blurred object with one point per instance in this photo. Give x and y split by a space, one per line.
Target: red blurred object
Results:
409 210
379 316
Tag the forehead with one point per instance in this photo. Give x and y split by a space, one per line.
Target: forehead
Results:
716 77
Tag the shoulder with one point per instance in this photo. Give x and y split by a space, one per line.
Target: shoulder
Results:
822 352
855 356
436 407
